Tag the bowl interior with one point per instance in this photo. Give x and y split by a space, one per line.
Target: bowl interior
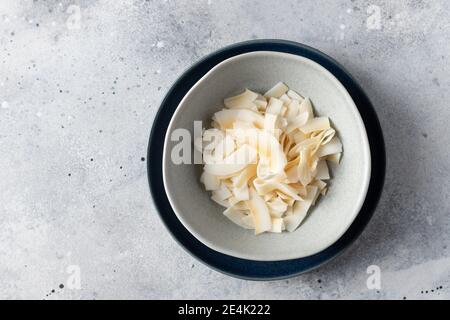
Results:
331 216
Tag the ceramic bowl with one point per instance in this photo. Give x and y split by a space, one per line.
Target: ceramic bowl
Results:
334 213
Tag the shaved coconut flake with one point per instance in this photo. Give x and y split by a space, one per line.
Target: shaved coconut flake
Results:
304 170
241 193
320 187
213 135
264 186
269 196
283 123
226 118
241 101
224 148
316 196
334 146
261 103
222 193
270 122
290 202
277 91
322 170
223 203
263 169
243 125
336 158
265 158
292 174
289 212
297 122
274 106
326 136
210 139
293 109
300 210
319 184
210 181
269 148
277 207
301 190
260 212
306 106
244 176
277 225
240 205
294 95
316 124
292 163
227 182
299 136
286 100
234 163
248 221
238 217
232 201
287 145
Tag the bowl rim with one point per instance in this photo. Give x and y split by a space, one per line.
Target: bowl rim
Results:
361 131
247 269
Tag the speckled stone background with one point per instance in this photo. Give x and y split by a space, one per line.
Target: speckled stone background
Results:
80 83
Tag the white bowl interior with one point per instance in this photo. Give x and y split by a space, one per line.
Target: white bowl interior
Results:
331 216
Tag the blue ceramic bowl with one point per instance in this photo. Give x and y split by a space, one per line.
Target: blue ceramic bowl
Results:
250 269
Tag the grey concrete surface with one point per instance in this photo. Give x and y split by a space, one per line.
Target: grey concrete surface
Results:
80 83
